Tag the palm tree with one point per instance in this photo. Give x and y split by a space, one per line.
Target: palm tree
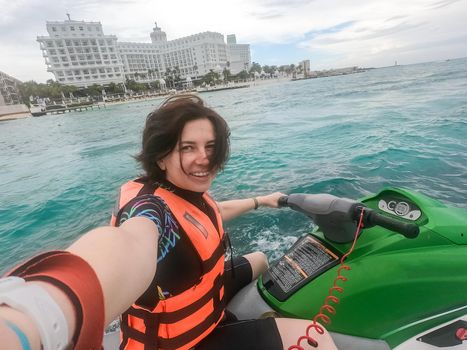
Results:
227 75
176 75
169 77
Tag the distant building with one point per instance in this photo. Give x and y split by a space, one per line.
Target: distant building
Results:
78 53
189 56
305 67
231 39
9 90
141 61
239 55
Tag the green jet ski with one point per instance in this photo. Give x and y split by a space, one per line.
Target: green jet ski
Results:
407 283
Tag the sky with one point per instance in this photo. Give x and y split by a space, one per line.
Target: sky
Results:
330 33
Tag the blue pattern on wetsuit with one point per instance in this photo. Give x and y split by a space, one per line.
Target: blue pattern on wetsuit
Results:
155 209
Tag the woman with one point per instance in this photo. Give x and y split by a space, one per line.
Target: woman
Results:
185 144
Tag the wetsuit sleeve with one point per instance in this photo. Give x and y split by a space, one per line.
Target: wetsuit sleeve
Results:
155 209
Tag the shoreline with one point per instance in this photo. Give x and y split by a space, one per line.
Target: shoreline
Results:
224 87
14 116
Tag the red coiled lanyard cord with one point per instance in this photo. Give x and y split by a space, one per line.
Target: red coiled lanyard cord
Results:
321 316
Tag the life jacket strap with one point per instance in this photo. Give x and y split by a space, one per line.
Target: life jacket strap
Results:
150 338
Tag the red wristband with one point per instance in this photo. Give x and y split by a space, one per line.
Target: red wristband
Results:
75 277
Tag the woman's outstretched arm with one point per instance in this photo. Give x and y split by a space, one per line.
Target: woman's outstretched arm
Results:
124 261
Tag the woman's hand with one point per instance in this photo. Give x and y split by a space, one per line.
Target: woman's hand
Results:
236 207
270 200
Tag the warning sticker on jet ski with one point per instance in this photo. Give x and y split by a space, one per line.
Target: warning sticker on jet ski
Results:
305 260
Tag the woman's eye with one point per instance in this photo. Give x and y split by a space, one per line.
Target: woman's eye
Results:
186 148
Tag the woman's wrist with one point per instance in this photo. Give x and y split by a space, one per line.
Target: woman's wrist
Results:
256 203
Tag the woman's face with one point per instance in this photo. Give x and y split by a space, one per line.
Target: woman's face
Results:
187 166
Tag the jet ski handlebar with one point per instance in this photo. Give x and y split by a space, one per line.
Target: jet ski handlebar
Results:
372 218
337 216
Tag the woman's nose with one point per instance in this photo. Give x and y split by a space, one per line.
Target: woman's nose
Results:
202 157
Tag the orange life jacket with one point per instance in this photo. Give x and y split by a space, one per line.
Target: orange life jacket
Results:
180 321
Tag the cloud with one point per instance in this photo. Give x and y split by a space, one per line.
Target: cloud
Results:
380 35
443 3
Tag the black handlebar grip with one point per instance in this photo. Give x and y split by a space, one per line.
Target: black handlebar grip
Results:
407 229
282 201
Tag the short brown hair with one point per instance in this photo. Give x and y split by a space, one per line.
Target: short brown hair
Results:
164 127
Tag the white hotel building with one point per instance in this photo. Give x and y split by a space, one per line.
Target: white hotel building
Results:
78 53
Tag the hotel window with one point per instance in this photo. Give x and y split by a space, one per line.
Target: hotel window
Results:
72 28
81 28
54 29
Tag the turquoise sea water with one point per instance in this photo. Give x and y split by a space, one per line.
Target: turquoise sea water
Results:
349 135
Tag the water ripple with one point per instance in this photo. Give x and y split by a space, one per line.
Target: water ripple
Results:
350 136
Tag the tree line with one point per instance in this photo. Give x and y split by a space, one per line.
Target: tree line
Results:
53 90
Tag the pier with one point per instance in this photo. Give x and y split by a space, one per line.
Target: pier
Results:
67 109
